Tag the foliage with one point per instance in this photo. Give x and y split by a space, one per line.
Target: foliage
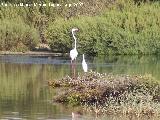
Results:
106 27
17 36
94 87
125 29
111 94
39 16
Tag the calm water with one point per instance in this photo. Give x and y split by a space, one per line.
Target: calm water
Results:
24 93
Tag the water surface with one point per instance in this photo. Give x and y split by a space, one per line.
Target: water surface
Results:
24 93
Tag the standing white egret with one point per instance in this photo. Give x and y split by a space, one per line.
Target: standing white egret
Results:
73 52
73 55
84 65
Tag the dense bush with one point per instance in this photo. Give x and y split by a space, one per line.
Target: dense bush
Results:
106 27
17 36
124 29
96 88
39 16
59 34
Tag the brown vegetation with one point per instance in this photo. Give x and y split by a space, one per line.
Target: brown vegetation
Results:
111 94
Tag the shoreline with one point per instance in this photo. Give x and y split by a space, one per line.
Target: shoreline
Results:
33 53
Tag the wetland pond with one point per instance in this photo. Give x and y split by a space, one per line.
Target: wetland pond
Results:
24 93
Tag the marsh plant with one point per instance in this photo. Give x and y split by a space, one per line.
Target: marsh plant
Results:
124 28
17 36
106 26
134 95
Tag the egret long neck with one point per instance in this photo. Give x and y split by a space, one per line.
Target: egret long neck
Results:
83 58
75 40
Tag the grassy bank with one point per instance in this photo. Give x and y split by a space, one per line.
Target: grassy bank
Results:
119 27
134 96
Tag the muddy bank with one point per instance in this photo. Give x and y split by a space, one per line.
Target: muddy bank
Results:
33 53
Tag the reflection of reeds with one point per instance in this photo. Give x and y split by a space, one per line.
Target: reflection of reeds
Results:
111 94
22 88
19 80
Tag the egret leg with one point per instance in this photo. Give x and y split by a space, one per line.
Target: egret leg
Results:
71 68
74 69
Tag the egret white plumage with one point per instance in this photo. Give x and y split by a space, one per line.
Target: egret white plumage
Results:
84 65
73 52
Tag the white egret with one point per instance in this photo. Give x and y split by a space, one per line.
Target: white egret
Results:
73 52
84 65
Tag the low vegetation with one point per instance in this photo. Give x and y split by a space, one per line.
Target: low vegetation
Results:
124 28
106 27
111 94
17 36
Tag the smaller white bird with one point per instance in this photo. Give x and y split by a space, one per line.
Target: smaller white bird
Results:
84 65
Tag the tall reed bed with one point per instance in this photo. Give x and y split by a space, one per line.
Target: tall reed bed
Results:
106 27
15 35
124 28
39 17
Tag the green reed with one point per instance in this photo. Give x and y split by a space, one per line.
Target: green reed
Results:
120 27
15 35
124 28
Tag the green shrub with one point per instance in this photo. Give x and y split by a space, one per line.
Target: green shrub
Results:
123 29
60 37
17 36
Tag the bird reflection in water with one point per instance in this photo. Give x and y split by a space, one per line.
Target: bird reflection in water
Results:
77 115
